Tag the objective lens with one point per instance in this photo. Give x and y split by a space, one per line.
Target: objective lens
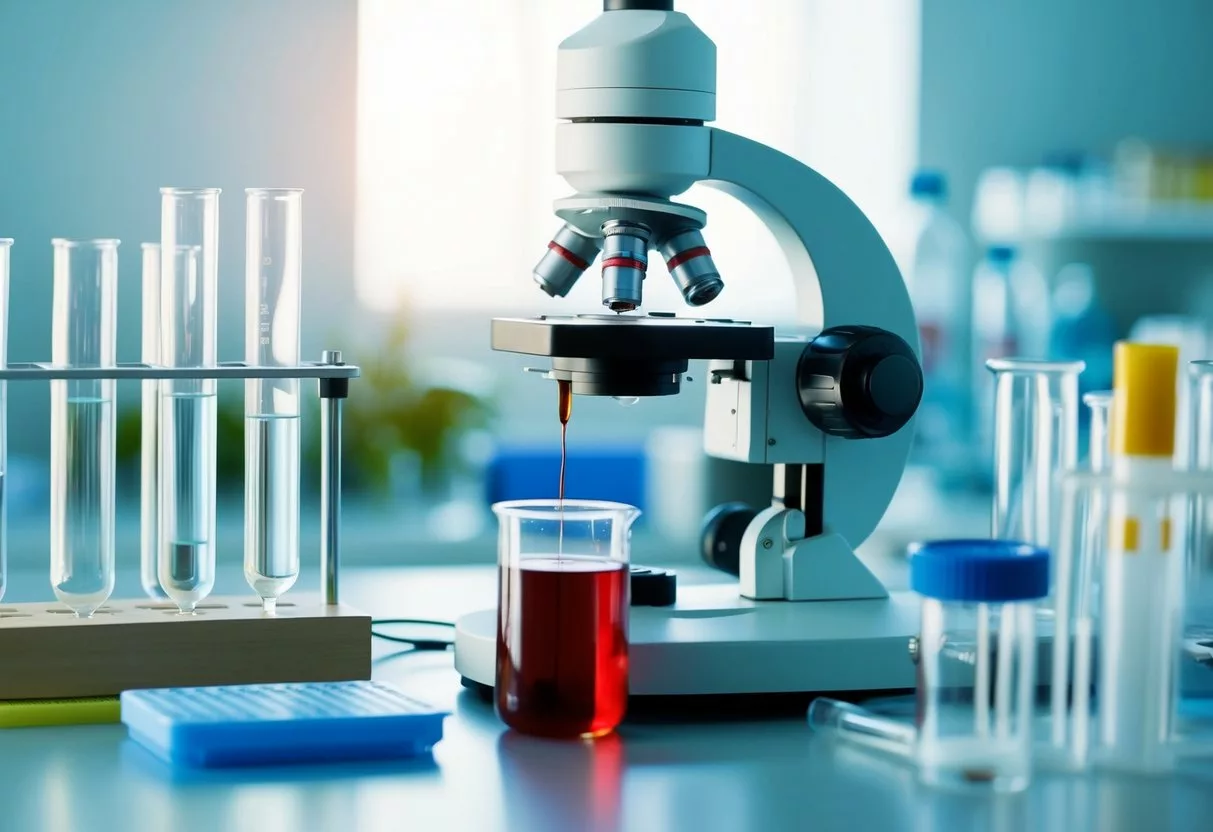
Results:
569 254
625 260
692 267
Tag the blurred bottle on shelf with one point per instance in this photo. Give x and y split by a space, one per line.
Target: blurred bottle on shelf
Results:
1011 318
934 261
998 206
1082 329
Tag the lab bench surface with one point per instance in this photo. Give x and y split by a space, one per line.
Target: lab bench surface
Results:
769 774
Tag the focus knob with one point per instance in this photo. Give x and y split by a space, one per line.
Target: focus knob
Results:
859 382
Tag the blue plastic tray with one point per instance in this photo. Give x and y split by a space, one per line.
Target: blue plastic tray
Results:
249 725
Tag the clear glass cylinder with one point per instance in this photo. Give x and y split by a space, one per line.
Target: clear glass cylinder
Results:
186 564
845 721
1035 438
83 334
1099 436
273 251
976 690
1198 617
563 595
5 244
149 428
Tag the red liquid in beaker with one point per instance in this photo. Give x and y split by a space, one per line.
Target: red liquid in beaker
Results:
562 649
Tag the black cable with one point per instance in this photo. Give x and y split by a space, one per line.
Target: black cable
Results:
426 622
418 644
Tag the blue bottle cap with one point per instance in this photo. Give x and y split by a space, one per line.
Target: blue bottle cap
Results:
979 570
1000 254
928 183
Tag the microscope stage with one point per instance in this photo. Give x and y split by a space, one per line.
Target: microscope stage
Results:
713 641
654 336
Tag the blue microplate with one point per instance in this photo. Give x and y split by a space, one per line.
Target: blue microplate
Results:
257 725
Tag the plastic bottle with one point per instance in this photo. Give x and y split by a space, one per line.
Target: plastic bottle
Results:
934 263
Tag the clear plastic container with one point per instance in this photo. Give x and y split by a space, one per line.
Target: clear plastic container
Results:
273 251
149 427
977 661
564 590
5 244
1199 605
83 334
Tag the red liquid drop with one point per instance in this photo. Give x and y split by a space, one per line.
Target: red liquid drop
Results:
562 647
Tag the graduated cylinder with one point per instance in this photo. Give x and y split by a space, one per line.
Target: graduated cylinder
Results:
273 251
83 334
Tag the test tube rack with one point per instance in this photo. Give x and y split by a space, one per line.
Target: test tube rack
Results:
48 653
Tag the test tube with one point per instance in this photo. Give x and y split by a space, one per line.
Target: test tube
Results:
1198 615
5 244
149 453
1035 437
842 720
188 286
1099 402
273 247
83 332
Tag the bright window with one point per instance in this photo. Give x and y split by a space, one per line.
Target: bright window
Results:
455 140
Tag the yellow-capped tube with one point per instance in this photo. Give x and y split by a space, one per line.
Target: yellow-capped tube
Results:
1142 586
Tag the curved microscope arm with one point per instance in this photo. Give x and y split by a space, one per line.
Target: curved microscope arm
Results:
844 274
821 232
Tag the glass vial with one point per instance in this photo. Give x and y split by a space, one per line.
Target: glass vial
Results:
5 244
273 248
149 427
82 424
1035 437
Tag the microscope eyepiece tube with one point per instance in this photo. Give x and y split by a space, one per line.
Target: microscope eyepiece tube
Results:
692 267
569 254
625 260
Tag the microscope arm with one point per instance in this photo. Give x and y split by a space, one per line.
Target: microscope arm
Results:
844 275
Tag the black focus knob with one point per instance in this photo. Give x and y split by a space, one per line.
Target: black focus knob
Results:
859 382
720 538
638 5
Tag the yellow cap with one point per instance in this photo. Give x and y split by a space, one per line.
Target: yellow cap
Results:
1143 413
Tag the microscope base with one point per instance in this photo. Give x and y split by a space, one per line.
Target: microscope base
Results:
713 641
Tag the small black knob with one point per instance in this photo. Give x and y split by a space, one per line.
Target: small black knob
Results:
723 528
653 587
859 382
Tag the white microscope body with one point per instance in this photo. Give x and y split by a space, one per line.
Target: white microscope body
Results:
832 411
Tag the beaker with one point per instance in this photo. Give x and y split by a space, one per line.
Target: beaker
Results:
83 334
1035 437
186 563
562 616
149 427
5 244
273 248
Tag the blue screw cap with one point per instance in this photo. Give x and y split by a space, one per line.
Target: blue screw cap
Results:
979 570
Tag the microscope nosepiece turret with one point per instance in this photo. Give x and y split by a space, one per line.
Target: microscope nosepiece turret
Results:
569 254
625 260
692 267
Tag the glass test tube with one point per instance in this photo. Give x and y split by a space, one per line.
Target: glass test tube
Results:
5 244
1035 437
149 452
188 287
82 424
273 248
1198 617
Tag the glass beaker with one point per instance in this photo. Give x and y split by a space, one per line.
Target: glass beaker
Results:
562 616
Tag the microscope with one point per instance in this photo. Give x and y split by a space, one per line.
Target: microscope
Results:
830 411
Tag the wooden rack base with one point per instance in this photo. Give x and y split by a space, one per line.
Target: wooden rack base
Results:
48 653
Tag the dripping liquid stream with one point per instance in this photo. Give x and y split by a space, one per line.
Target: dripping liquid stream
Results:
566 410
